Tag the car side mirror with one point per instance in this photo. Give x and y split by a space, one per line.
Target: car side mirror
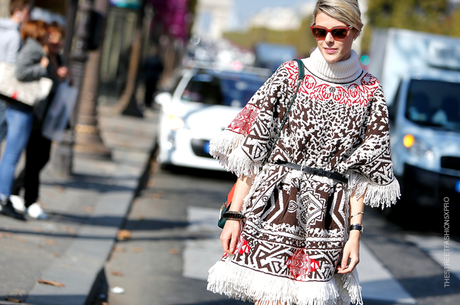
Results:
163 98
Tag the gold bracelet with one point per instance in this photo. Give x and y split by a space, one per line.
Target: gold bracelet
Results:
362 213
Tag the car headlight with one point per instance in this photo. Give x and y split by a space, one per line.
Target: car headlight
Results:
418 147
175 122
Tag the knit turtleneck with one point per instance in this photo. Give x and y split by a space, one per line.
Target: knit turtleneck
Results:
338 72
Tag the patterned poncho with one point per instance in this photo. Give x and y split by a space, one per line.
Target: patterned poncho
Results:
297 223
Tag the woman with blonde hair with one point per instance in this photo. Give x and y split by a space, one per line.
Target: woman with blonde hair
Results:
292 233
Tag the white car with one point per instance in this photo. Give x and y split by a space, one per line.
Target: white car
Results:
202 104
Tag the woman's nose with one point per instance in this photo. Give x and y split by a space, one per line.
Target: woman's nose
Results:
329 38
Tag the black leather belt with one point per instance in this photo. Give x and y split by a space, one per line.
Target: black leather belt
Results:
314 171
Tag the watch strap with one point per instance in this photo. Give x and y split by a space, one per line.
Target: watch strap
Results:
356 227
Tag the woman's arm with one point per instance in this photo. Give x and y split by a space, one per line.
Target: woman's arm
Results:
351 249
31 63
232 229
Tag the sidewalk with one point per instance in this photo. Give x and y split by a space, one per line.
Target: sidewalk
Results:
85 211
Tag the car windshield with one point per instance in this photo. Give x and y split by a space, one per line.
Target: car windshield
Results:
229 89
434 103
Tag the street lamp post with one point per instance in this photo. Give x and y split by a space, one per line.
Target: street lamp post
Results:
62 160
128 101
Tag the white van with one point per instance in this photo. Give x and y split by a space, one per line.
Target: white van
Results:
420 75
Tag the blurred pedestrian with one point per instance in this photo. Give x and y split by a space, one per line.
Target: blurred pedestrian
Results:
153 68
38 148
31 65
292 234
10 43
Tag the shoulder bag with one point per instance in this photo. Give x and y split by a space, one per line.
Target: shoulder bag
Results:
28 93
226 206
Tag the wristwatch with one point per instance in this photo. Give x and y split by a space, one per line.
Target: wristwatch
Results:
357 227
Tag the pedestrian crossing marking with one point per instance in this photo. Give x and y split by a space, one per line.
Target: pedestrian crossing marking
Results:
377 282
440 250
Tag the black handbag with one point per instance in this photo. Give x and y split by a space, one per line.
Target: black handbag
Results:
226 206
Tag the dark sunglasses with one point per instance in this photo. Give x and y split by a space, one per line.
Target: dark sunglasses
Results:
338 33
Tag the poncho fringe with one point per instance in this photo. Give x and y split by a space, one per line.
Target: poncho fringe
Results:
248 285
376 195
227 149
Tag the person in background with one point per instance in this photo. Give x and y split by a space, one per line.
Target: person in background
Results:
153 67
10 43
38 148
31 64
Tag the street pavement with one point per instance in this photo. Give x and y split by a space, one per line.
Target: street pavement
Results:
86 210
174 239
169 237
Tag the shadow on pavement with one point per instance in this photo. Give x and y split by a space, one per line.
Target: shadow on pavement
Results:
99 183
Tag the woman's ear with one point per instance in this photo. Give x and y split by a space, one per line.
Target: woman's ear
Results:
355 34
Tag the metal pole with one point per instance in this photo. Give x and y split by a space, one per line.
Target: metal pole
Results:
62 160
128 101
87 133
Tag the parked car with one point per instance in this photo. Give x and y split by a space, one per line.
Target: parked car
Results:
202 103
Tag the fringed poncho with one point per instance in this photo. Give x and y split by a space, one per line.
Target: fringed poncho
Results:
297 223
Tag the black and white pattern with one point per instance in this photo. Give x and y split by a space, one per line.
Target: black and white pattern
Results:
297 223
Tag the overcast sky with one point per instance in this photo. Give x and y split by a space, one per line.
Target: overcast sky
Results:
245 9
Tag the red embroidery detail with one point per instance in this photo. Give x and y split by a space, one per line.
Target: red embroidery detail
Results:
243 122
243 246
300 265
14 95
348 95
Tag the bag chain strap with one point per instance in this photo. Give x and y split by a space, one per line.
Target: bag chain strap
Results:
286 115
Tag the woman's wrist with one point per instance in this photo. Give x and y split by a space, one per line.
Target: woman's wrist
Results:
354 234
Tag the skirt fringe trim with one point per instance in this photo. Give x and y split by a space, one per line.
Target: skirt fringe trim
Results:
245 284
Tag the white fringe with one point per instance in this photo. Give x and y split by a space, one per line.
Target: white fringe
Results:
226 148
376 195
248 285
351 286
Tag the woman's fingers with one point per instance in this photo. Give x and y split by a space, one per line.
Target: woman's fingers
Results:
353 262
225 240
233 243
350 257
229 236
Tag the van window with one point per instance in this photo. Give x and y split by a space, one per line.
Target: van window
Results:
434 103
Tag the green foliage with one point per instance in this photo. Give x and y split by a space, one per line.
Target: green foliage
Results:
433 16
300 38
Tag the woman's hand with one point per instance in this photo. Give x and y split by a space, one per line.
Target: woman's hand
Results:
350 251
44 62
62 72
230 235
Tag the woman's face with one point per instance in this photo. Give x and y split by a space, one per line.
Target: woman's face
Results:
55 42
331 49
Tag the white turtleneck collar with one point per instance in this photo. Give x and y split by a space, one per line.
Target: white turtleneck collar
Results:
338 72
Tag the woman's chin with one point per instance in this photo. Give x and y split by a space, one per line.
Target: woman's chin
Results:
331 58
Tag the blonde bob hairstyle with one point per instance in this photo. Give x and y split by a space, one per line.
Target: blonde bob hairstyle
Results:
346 11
